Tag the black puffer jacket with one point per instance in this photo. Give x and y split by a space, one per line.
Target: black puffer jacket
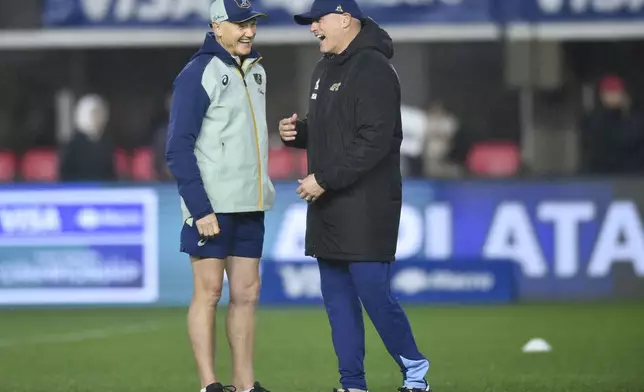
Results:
352 134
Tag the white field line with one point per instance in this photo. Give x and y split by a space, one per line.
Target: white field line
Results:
82 336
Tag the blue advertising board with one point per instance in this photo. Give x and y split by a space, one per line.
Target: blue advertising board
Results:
120 244
194 13
573 10
67 246
186 13
565 237
413 281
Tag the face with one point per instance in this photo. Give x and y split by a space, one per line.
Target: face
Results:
236 38
92 115
330 30
100 116
613 99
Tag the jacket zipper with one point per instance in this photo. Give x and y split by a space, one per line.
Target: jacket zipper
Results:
252 111
313 156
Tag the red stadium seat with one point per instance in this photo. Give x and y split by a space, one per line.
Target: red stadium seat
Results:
280 163
143 164
122 163
302 163
7 166
40 164
494 159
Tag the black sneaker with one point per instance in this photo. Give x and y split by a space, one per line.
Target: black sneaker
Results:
219 387
257 387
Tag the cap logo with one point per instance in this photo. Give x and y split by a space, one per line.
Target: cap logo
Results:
243 3
339 9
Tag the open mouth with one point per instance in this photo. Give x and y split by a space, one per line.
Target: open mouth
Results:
245 42
321 37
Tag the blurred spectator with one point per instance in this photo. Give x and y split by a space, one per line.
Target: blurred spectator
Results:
414 127
89 156
442 127
612 135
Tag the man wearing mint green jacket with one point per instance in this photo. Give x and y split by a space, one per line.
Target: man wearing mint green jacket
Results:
217 151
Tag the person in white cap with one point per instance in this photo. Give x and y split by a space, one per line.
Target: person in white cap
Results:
89 155
217 150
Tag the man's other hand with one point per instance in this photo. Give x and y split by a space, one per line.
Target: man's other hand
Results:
287 128
208 226
309 188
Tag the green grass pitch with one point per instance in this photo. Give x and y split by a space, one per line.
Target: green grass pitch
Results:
596 348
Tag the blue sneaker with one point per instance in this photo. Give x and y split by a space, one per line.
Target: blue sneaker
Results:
407 389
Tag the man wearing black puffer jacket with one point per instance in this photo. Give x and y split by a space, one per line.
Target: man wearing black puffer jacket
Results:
352 134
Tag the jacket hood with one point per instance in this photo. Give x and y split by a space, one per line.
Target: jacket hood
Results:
211 47
371 36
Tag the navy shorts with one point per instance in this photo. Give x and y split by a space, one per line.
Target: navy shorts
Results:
241 234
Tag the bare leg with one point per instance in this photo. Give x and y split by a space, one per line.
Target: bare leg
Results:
208 280
244 283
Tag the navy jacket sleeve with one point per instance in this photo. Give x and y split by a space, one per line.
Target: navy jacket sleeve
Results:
377 112
189 105
302 135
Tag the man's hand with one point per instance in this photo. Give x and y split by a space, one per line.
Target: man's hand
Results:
208 226
287 128
309 189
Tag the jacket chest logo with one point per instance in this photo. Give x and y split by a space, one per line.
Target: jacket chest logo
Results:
334 87
258 78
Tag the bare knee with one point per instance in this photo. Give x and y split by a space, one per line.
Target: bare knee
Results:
208 280
208 295
245 294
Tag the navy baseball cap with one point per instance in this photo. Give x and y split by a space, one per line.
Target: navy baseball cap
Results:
319 8
232 11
